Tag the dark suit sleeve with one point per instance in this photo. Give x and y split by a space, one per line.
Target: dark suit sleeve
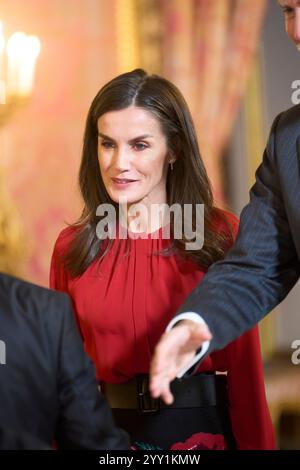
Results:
261 267
85 419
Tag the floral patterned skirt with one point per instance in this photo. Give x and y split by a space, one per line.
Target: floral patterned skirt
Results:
178 429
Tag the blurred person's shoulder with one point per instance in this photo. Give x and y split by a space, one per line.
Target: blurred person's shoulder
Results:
20 296
290 118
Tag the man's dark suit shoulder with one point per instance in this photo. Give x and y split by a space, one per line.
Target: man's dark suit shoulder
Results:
18 295
49 372
36 317
289 117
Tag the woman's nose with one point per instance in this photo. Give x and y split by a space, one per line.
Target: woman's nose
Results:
122 159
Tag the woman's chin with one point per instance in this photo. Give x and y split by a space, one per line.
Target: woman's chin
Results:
123 198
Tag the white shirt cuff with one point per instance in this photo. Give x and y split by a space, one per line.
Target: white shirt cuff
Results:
197 319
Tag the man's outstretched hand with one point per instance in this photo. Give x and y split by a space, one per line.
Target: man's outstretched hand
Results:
173 353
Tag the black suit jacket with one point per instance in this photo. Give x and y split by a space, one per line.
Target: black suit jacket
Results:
48 388
263 265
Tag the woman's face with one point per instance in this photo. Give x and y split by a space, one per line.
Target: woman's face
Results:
132 154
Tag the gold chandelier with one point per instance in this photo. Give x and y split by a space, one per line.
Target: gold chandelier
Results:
17 65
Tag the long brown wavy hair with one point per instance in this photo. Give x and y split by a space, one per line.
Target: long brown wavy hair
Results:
187 183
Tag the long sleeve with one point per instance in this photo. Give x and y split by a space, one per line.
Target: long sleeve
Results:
85 419
250 417
58 275
263 265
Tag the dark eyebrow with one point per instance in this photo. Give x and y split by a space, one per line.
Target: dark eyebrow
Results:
286 5
135 139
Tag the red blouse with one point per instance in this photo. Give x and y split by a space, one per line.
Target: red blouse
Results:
123 305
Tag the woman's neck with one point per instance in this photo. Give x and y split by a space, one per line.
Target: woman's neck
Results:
144 217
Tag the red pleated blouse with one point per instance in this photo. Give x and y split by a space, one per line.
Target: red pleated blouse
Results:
123 304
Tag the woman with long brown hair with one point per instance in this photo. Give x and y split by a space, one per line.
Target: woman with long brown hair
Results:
128 267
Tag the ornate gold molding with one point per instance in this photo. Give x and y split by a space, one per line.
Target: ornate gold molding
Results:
128 45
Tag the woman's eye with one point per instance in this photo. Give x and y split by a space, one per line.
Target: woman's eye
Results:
140 146
107 145
288 11
137 146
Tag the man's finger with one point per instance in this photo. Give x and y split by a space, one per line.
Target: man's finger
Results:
201 333
173 353
160 387
167 396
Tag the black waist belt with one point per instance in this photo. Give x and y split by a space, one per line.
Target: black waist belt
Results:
195 391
